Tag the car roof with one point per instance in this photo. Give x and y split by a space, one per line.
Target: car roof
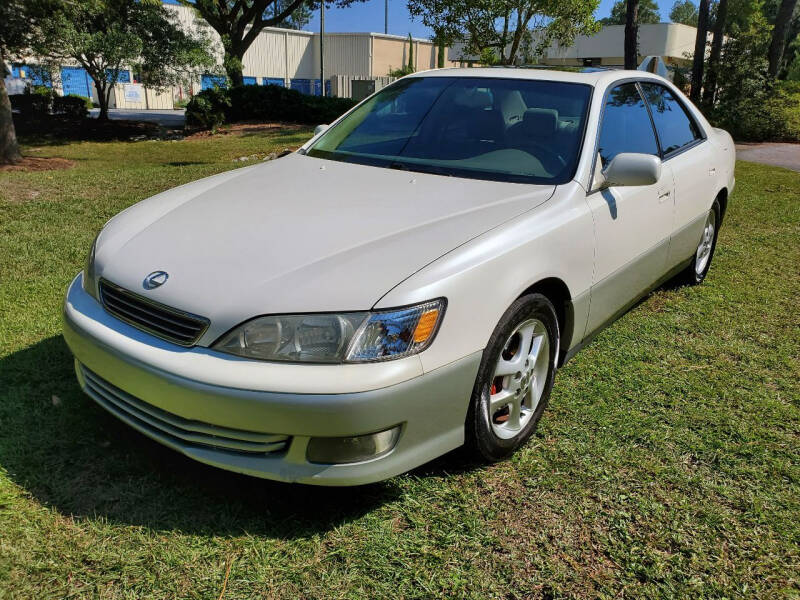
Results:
597 78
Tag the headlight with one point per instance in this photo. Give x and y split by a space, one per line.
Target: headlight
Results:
89 276
337 338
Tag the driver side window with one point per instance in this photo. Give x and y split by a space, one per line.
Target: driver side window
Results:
626 125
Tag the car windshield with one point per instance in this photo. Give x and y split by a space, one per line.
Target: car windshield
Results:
516 130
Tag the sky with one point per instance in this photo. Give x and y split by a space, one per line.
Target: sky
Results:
369 16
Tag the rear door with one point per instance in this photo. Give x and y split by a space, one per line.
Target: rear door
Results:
693 164
632 224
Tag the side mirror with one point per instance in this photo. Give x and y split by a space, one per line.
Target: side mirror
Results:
630 169
320 128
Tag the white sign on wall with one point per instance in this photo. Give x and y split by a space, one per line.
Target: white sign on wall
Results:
134 92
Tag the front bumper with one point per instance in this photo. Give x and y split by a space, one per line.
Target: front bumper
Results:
164 391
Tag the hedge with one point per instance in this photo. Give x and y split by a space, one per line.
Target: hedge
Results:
44 102
210 108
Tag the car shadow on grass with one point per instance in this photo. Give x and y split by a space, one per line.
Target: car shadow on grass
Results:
70 455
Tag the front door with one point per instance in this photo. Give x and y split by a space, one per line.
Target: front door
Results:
632 224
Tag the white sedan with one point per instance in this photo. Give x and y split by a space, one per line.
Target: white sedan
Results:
407 282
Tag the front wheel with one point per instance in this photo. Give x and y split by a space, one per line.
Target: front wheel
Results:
514 379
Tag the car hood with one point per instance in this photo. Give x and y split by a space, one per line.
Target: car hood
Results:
298 234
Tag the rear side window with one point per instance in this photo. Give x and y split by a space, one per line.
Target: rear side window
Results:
626 125
675 127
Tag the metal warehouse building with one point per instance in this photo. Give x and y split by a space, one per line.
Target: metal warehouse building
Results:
285 57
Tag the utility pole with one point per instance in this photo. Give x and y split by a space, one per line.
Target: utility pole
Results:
386 17
322 48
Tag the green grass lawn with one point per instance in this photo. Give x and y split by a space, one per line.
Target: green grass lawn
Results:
667 465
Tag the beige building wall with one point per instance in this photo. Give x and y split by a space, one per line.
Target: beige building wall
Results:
391 52
671 41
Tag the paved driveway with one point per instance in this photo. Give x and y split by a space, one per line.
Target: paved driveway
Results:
167 118
778 155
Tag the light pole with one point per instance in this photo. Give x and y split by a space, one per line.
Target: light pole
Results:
322 48
386 17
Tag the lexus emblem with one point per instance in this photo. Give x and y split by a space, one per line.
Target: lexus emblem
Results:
155 279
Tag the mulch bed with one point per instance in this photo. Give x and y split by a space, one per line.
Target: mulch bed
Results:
246 128
34 163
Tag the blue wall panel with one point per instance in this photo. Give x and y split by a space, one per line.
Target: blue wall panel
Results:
35 74
75 80
274 81
209 81
124 76
311 87
250 81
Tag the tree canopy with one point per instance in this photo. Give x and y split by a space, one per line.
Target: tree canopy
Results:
648 13
239 22
685 12
503 25
105 36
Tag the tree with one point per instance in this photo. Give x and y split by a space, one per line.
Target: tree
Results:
502 25
779 35
14 36
710 87
298 19
646 13
239 22
631 34
410 54
699 52
685 12
20 22
105 36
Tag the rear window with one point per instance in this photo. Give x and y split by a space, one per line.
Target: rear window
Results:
676 129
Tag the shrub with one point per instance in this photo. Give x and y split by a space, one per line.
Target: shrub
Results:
263 103
207 109
72 106
770 114
276 103
38 102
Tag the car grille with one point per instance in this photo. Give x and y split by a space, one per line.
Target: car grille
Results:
166 426
168 323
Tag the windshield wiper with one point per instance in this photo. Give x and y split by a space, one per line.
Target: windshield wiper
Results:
420 168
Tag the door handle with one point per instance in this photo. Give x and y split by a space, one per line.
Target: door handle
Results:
663 195
712 170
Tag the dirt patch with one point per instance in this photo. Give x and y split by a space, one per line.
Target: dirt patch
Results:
35 163
247 128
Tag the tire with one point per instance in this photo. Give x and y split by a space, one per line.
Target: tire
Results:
696 272
494 434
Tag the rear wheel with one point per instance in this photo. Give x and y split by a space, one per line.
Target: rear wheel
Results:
697 270
514 379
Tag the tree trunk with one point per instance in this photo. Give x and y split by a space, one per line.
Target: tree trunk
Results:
515 43
440 55
504 39
782 22
102 99
632 34
233 65
699 51
710 87
9 150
